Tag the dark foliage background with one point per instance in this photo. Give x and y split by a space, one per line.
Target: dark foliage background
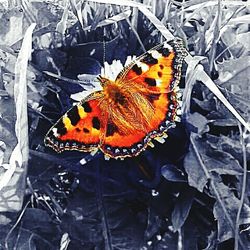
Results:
183 194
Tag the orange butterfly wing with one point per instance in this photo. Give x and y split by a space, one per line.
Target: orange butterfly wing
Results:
154 75
78 129
158 69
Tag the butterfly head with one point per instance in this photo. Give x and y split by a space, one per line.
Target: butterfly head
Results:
103 81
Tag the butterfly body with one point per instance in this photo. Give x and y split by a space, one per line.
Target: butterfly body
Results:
123 118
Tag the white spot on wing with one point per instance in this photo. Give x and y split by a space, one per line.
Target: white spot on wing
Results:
155 54
158 82
178 112
144 67
54 130
167 46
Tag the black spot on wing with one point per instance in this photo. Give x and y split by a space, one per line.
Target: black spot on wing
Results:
111 129
161 66
86 107
159 73
137 69
150 81
73 115
61 130
85 130
96 123
164 51
153 97
78 130
148 59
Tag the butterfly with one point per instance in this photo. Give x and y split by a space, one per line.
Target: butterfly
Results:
121 120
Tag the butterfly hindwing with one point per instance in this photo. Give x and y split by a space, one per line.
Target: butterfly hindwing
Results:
119 145
78 129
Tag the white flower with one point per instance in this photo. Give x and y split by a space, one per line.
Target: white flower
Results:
109 71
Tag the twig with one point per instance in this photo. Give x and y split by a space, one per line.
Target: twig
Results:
243 189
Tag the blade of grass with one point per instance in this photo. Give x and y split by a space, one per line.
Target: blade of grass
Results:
241 19
62 24
136 34
26 5
194 13
20 93
215 35
191 76
157 23
111 20
166 12
77 10
133 35
203 77
194 5
123 3
100 14
243 189
19 156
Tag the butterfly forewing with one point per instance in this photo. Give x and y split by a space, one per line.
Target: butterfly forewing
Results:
159 69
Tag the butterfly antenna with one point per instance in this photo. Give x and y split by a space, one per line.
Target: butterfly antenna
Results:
104 53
